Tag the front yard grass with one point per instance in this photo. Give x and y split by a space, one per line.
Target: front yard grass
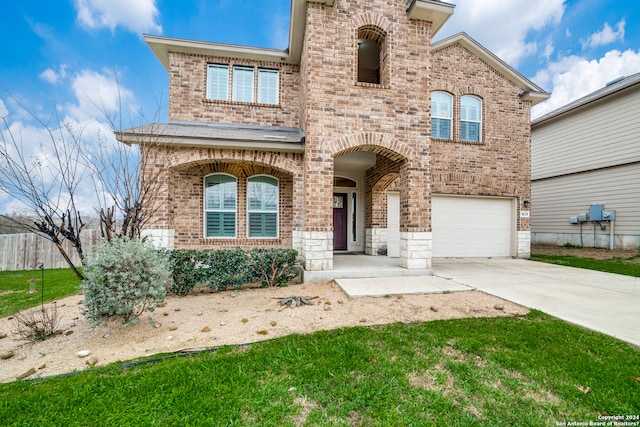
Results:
14 285
629 266
533 370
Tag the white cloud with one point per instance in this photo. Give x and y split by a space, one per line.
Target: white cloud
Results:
138 16
573 77
503 26
52 76
96 94
606 36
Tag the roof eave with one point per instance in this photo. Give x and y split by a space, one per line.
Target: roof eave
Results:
531 91
436 12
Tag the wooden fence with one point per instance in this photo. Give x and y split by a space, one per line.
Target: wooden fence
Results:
25 251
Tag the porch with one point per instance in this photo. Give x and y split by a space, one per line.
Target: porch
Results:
359 266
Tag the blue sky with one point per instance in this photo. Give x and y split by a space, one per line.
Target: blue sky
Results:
69 56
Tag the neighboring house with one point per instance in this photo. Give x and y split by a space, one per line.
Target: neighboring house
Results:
588 153
362 136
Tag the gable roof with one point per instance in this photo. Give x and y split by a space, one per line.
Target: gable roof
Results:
530 91
611 88
435 11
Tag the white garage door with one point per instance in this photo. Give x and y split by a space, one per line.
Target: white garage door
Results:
472 227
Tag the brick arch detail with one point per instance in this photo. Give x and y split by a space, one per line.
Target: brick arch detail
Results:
368 19
460 90
286 163
378 143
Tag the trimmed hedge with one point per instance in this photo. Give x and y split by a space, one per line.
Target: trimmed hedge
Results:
230 268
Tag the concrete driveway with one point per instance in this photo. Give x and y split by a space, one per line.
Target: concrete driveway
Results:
604 302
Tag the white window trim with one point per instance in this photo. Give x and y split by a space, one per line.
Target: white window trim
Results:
450 118
205 210
208 93
277 236
258 86
472 121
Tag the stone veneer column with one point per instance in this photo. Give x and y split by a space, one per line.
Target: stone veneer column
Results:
161 238
415 250
317 250
524 244
376 241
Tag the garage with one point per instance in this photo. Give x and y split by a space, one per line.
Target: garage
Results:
467 227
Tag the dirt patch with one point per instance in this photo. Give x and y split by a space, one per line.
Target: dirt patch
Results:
206 320
595 253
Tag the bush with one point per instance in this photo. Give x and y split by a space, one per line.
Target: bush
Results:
230 268
273 267
124 278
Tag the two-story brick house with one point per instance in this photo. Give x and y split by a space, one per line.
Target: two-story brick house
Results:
363 136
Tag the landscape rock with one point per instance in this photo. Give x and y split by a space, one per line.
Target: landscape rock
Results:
7 355
434 309
173 328
273 323
84 353
27 374
69 332
44 365
92 361
245 320
170 338
206 329
262 332
499 307
3 335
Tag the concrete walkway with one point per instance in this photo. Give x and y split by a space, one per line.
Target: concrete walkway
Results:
604 302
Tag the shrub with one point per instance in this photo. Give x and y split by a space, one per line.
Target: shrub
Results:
230 268
274 267
37 324
124 278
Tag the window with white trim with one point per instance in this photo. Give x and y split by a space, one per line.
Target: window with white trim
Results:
220 194
262 206
242 84
268 86
441 115
218 82
470 118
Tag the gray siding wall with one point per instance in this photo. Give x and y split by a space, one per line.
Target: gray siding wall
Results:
554 200
604 135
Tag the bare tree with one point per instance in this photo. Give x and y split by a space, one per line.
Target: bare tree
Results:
47 184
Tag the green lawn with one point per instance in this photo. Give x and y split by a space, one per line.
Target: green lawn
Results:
14 286
525 371
627 266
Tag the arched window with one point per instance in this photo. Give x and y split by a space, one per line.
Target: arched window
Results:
372 55
220 194
441 115
262 206
470 118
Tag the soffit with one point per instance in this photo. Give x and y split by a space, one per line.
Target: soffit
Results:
436 12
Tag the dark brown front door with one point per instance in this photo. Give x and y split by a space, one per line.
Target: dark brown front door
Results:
339 222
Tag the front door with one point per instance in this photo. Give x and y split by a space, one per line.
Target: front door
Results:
339 221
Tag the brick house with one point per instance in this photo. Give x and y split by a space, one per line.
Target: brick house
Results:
363 136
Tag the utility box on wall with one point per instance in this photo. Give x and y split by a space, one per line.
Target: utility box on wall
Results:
609 215
595 212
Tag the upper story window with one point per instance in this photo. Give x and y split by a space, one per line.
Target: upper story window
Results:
441 115
262 206
372 55
268 86
220 195
218 82
243 84
247 85
470 118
